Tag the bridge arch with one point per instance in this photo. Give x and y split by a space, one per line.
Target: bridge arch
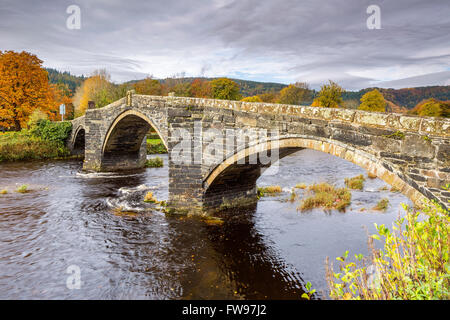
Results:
220 181
124 145
79 141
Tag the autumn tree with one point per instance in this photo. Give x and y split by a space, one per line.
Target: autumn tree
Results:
252 99
294 93
373 101
61 94
330 96
149 86
432 108
24 87
224 88
270 97
97 88
201 88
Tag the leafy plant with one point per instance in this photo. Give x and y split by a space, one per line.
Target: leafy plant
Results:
308 293
52 131
413 264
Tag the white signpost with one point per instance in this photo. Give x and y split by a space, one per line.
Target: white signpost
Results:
62 111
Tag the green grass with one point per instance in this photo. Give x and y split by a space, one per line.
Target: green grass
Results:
155 146
23 145
156 162
326 196
356 183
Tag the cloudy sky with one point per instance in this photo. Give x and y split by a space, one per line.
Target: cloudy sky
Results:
262 40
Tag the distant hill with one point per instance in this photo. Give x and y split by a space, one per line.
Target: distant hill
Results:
248 88
73 82
407 97
399 100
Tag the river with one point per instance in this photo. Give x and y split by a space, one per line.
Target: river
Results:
268 252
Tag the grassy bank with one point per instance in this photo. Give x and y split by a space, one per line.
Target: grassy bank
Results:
155 146
45 140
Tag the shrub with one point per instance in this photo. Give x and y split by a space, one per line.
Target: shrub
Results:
327 196
301 186
413 263
355 182
36 116
4 191
52 131
382 205
154 163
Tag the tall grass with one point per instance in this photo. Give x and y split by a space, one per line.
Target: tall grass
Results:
356 183
327 196
413 263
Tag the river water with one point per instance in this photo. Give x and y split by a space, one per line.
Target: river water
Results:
69 221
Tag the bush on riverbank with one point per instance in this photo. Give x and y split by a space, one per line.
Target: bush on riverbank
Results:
412 265
327 196
43 140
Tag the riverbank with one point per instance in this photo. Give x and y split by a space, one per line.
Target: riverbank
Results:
155 145
45 140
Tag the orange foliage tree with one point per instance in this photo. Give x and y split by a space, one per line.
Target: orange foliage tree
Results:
24 87
96 88
201 88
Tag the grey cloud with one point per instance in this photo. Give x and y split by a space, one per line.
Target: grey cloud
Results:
292 40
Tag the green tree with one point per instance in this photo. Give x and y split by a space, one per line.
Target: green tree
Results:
330 96
224 88
294 93
373 101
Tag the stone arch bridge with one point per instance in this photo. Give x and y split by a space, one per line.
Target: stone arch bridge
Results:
219 148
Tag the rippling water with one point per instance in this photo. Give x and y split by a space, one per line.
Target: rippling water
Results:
270 251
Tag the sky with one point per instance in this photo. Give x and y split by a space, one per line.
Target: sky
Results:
262 40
